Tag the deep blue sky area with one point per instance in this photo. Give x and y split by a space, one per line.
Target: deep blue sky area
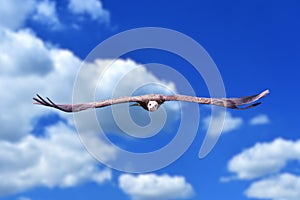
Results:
255 46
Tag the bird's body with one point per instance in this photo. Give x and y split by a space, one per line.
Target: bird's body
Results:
151 102
149 105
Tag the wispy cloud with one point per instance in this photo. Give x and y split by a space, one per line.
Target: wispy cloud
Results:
92 8
260 119
46 13
229 123
15 14
153 186
23 198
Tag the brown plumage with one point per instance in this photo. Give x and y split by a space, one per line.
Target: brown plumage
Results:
151 102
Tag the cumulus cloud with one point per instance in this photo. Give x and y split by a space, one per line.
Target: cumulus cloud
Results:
93 8
264 163
280 187
152 186
229 124
260 119
30 66
22 54
56 160
264 158
117 78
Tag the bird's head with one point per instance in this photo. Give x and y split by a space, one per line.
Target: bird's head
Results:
152 106
149 105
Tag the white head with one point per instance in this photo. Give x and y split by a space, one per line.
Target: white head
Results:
152 106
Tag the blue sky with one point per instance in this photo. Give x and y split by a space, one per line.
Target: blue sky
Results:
255 46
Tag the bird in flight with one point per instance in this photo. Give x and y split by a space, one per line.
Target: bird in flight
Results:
151 102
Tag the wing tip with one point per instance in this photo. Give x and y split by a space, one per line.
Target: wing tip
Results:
37 99
264 93
41 101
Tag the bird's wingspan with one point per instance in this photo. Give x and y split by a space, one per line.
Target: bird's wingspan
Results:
225 102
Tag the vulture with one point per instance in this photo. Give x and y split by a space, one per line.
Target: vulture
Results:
151 102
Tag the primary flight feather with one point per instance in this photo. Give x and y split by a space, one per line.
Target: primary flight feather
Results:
151 102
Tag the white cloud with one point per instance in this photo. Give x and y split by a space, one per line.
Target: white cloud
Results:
280 187
46 13
260 119
229 124
155 187
123 78
56 160
93 8
13 13
30 66
23 198
22 54
264 158
264 164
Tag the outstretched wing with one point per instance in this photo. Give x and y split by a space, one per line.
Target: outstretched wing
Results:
225 102
83 106
233 103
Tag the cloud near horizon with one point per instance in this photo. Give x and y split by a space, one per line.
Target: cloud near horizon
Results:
264 165
155 187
